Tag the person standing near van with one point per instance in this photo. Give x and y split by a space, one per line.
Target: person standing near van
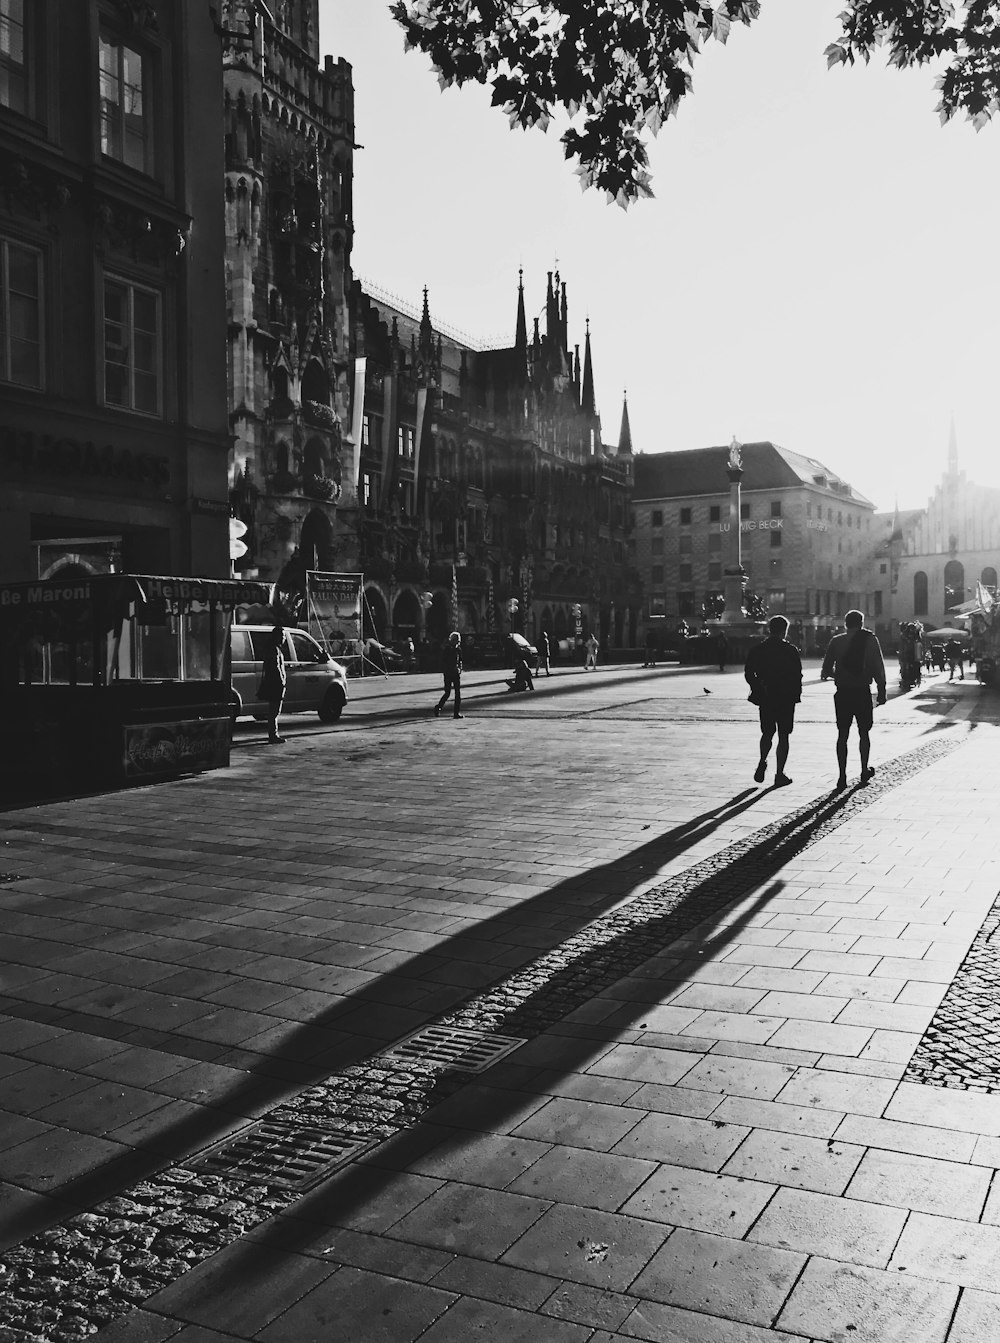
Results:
451 665
854 660
272 683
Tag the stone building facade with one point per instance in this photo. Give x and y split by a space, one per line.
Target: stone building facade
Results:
114 424
289 142
931 559
483 480
807 536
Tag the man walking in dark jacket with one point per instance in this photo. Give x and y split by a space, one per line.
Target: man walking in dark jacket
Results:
854 660
774 673
451 665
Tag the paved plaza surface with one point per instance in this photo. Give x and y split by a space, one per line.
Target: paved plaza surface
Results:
738 1049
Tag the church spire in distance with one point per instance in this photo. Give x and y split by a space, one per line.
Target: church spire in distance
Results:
521 330
625 436
588 402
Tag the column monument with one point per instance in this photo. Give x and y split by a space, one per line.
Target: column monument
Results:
740 631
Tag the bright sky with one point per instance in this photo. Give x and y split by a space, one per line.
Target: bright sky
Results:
818 266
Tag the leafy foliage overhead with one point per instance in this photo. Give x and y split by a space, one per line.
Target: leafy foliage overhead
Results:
618 68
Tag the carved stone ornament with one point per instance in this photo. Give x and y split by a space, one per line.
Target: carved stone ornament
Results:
735 455
31 191
124 229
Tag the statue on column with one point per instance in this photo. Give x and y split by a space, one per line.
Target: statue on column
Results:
735 455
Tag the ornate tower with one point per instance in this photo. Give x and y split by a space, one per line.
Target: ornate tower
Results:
289 162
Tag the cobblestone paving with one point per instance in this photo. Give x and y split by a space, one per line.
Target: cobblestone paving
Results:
961 1046
67 1282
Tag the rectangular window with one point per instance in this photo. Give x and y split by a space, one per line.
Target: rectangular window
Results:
656 545
13 59
685 573
657 606
715 571
656 576
714 513
369 490
405 441
684 544
685 517
131 347
365 431
715 542
685 603
124 111
406 497
656 517
20 314
882 569
775 508
744 512
877 595
776 601
809 510
775 540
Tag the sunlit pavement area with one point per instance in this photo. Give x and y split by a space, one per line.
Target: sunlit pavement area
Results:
747 1084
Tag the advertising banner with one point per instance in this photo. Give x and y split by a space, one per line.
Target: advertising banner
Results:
334 605
182 747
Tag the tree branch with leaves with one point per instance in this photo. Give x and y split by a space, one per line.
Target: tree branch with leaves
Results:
618 69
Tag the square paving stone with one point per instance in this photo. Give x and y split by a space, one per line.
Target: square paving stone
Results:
720 1276
241 1288
923 1184
796 1160
941 1248
579 1124
600 1309
466 1219
478 1158
801 1006
826 1036
749 1028
977 1319
30 1089
354 1304
778 1118
585 1245
470 1319
700 1200
643 1063
838 1228
590 1179
682 1141
839 1091
53 1158
842 1303
739 1076
674 1100
919 1139
670 1324
502 1283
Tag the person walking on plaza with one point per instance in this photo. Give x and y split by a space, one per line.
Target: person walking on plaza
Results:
451 665
955 654
545 651
773 672
722 648
590 664
650 648
854 660
272 683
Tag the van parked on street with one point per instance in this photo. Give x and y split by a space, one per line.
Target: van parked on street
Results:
315 682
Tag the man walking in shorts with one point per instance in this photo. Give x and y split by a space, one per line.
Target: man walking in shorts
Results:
854 660
774 673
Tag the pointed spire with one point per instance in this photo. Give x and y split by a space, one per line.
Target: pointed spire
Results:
625 435
576 373
952 449
521 330
588 403
426 330
897 532
563 323
551 311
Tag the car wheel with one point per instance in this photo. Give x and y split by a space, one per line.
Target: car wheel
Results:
332 706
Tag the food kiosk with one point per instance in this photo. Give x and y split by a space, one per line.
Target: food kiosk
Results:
115 679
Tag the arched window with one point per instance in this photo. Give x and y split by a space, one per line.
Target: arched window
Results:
315 384
920 593
314 460
281 457
954 583
989 577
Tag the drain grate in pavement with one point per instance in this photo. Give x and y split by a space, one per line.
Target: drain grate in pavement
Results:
282 1156
961 1047
466 1051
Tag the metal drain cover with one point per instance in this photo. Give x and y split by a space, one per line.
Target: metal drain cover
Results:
286 1156
464 1050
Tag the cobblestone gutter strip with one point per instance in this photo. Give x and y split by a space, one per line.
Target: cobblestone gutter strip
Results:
67 1282
961 1046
